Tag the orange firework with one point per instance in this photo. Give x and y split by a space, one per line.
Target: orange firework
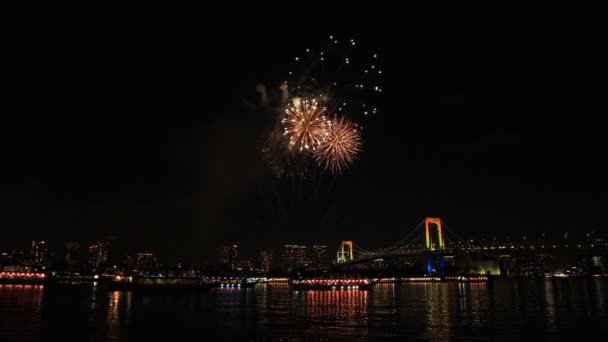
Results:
306 124
341 146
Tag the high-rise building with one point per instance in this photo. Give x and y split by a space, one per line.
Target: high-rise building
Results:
245 265
265 260
128 262
146 262
99 254
319 257
38 254
293 256
228 256
14 257
72 251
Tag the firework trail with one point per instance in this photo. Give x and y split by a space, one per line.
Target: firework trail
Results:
315 134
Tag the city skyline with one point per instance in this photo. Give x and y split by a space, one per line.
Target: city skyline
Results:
314 256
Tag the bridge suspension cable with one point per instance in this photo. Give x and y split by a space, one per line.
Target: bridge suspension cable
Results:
360 250
451 231
408 236
416 240
399 245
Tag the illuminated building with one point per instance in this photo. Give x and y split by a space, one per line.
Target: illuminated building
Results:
12 258
319 257
293 256
38 254
146 262
99 254
72 251
245 265
265 260
228 256
128 262
596 261
506 264
403 262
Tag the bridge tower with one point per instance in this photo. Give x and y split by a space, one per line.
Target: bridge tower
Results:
345 253
433 242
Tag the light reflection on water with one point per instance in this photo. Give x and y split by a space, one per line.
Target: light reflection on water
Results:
20 307
537 309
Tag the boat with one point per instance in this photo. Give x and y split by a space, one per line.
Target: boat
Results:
332 284
22 278
233 282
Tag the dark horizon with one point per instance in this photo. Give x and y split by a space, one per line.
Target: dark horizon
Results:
490 119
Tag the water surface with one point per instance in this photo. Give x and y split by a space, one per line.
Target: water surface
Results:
553 309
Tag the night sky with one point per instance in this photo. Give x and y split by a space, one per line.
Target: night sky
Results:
138 122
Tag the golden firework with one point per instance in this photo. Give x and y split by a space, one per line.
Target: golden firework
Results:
341 146
305 124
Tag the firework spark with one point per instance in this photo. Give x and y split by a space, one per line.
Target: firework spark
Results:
341 146
306 124
347 72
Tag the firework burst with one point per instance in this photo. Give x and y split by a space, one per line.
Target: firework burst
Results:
338 78
341 146
305 124
282 160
